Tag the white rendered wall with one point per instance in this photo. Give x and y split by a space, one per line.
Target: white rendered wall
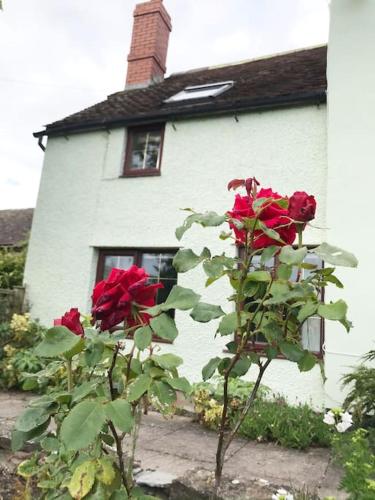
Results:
84 205
351 176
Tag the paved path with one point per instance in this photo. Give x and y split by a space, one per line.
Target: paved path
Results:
178 445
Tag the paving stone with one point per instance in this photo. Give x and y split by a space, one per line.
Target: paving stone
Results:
155 478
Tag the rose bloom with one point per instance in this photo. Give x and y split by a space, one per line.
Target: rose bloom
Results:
274 217
302 207
71 320
122 296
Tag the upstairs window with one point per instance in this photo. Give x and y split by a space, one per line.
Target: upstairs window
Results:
143 151
201 91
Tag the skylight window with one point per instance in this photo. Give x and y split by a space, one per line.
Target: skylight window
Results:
201 91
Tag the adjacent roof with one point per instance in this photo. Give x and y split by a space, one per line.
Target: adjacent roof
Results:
15 226
288 79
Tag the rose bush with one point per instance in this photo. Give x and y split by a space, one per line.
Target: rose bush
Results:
274 290
111 376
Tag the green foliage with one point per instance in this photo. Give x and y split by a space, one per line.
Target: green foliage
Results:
352 450
17 357
98 405
360 399
12 264
270 419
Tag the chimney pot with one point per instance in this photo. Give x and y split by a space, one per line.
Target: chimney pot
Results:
149 45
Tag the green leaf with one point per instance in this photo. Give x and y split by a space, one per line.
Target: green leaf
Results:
241 367
28 468
167 361
263 276
164 392
271 233
271 352
272 332
179 298
31 418
140 385
143 337
335 311
268 253
182 298
186 259
204 312
307 362
291 351
57 341
50 444
336 256
207 219
120 412
210 368
82 480
119 494
83 390
80 428
292 256
309 309
214 268
19 438
94 353
164 327
284 272
179 384
228 324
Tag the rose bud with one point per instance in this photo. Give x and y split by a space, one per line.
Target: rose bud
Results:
302 207
71 320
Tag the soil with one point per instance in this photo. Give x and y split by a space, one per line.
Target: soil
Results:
11 485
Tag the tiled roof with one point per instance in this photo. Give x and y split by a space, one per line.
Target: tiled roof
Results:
15 226
282 80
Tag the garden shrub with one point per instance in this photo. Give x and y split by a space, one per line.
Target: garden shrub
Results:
271 419
361 398
354 453
17 358
12 264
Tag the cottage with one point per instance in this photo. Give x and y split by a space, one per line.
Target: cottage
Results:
116 174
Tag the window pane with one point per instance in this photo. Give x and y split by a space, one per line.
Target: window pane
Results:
117 261
311 334
151 264
145 150
167 271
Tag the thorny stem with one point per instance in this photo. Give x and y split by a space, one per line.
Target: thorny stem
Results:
69 373
134 437
117 438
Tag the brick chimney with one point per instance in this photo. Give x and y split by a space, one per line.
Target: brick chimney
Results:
149 45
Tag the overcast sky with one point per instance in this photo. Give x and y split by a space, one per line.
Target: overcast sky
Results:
59 56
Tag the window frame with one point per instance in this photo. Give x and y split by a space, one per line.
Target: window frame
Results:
139 172
137 254
259 346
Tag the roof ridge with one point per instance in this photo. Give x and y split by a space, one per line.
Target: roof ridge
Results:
245 61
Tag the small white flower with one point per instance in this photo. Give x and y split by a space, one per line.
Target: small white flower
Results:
282 494
347 418
329 418
342 426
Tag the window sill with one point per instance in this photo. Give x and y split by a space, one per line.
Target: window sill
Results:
141 173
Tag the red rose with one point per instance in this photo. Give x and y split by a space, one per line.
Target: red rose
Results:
302 207
71 320
273 216
121 297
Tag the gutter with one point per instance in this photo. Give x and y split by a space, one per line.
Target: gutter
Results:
306 98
